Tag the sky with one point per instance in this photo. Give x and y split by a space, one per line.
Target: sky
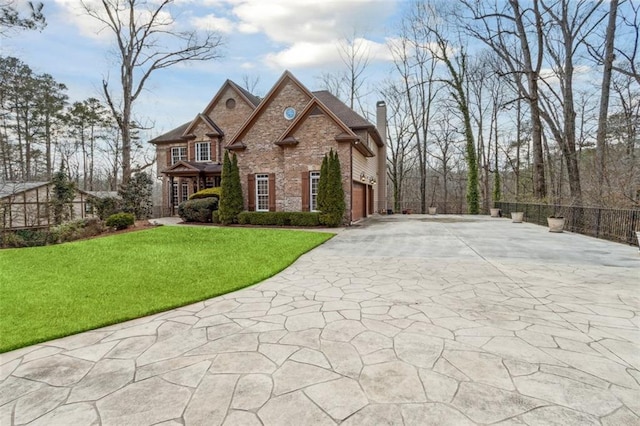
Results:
262 39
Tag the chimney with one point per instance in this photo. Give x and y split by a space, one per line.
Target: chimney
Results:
381 124
381 120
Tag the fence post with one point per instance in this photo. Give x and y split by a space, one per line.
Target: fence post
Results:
598 223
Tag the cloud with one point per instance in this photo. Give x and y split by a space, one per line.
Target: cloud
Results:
89 26
310 54
213 23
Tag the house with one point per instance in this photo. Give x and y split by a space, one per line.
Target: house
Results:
27 205
280 142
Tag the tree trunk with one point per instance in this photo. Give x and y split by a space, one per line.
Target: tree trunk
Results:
604 95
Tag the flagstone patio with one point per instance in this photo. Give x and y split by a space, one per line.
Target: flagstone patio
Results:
405 319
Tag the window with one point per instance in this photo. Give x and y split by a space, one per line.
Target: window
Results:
178 153
185 191
203 151
314 178
174 194
88 207
262 193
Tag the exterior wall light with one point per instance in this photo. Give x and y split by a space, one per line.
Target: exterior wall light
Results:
362 177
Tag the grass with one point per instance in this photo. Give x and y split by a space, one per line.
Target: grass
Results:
54 291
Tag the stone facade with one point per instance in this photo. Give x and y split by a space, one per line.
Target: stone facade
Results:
286 149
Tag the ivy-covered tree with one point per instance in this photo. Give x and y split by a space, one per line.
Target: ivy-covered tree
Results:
62 197
136 195
231 202
333 205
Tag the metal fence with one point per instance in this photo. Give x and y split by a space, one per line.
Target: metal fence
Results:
609 224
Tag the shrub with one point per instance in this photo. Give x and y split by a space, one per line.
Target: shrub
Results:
24 238
231 202
279 218
215 217
120 220
107 206
75 230
136 195
304 218
198 210
206 193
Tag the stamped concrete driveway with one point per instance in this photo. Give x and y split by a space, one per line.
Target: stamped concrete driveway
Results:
404 320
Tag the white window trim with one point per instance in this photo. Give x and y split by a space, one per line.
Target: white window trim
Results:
312 176
198 151
184 192
177 149
262 177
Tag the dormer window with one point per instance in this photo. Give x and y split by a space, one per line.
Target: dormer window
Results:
203 151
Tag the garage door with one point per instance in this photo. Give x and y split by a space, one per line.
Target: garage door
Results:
359 201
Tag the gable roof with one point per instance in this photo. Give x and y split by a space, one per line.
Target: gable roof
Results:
171 135
348 116
286 76
11 188
342 111
249 98
311 106
216 131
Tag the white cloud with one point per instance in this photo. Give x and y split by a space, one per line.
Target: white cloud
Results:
89 26
213 23
306 54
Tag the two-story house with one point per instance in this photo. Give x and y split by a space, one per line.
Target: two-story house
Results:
280 142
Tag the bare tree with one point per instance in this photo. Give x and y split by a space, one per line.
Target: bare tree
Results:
516 35
416 65
400 139
604 94
12 19
348 84
628 54
569 23
146 41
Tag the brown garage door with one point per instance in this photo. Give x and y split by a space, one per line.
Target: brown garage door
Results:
359 201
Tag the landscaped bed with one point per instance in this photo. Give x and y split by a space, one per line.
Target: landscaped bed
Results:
55 291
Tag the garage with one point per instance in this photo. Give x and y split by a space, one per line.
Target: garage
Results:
359 201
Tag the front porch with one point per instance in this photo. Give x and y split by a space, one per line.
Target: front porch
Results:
185 178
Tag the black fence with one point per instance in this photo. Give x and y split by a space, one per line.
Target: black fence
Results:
609 224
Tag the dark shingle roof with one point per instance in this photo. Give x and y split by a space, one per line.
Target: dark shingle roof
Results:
252 98
172 135
11 188
348 116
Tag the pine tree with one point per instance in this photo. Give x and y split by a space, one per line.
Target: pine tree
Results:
333 199
225 210
237 203
322 184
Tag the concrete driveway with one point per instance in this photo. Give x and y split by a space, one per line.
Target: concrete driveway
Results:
410 320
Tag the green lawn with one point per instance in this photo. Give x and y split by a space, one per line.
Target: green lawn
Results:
54 291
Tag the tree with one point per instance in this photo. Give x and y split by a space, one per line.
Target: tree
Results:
10 17
456 83
86 124
62 197
517 36
322 184
333 205
231 202
237 203
604 94
146 41
136 195
400 139
416 66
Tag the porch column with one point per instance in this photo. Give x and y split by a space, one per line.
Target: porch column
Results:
171 200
